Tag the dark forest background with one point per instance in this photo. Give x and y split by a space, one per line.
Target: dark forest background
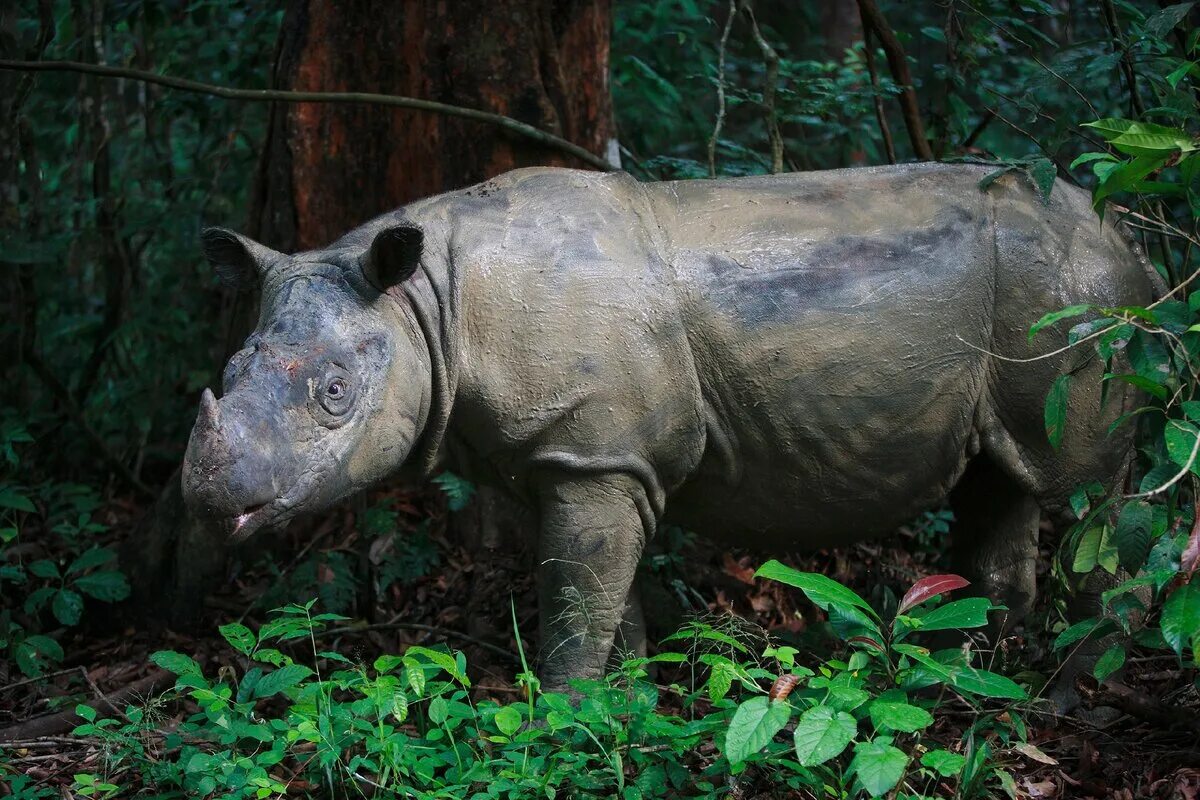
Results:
113 323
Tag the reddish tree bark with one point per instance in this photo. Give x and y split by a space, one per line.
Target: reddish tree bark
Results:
328 168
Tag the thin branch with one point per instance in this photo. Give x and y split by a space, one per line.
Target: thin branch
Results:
771 60
716 134
416 626
880 116
898 63
279 95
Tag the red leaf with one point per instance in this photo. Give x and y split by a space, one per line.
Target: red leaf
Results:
926 588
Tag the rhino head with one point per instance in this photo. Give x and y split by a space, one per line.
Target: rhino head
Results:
329 394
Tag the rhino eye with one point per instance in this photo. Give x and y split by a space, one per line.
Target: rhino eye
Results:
336 395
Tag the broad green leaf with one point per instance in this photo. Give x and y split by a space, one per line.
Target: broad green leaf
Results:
879 766
1043 174
67 607
91 558
107 585
1132 534
821 734
987 684
240 637
822 591
1152 144
439 710
44 568
281 680
508 720
943 762
1110 127
1087 629
899 717
1162 22
10 498
35 652
175 662
1183 444
443 660
968 613
1181 616
1056 316
1089 157
1055 412
754 724
1149 357
1109 662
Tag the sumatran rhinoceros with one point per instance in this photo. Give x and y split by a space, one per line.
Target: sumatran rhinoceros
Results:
784 362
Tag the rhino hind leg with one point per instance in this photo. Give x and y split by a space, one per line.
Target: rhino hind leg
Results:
995 539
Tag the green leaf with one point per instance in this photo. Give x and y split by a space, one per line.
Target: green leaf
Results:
879 766
281 680
1181 616
987 684
439 710
1056 316
34 652
1132 534
1152 144
508 720
109 586
899 717
91 558
821 734
822 591
1055 412
1182 444
10 498
67 607
1043 174
1109 662
1089 157
240 637
44 568
175 662
1087 629
754 724
1110 127
1162 22
943 762
443 660
968 613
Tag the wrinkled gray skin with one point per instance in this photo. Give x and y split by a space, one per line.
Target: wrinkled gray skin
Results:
784 362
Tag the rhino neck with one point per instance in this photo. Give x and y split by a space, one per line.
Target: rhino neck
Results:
432 304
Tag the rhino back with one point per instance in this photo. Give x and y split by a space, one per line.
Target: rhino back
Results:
827 313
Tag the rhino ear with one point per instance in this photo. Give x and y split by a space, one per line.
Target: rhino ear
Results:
393 256
240 262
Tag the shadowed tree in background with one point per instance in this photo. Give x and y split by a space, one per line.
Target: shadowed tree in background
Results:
326 168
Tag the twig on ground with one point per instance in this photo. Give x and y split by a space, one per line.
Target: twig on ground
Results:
67 719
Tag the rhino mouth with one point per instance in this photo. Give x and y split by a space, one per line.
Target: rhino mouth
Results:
275 513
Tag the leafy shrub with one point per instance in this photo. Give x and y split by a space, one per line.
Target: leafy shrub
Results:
408 724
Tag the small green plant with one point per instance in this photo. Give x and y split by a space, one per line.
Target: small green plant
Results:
882 687
286 715
1147 535
73 570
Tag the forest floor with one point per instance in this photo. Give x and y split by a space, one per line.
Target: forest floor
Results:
1128 757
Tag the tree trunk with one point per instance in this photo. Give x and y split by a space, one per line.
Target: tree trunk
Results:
326 168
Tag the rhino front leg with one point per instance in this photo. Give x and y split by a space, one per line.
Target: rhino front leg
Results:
590 540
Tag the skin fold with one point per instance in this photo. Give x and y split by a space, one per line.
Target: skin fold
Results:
781 362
